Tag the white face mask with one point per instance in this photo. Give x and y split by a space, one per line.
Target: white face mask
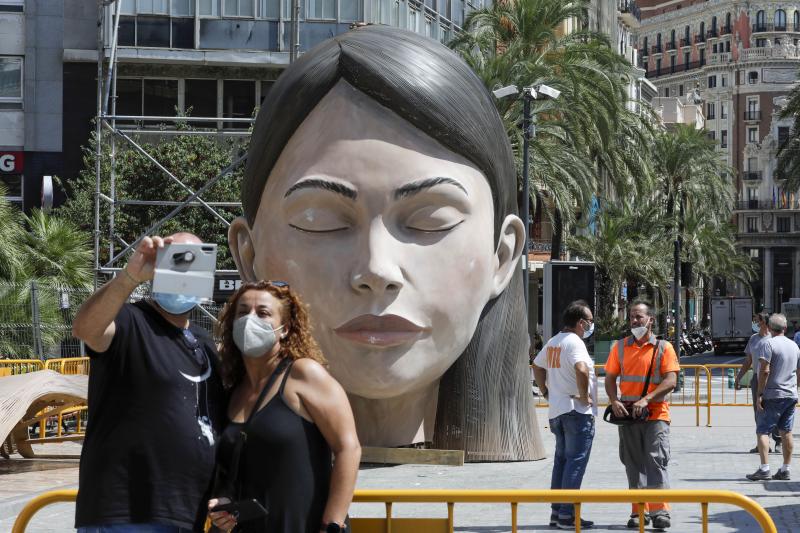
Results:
588 332
253 336
639 332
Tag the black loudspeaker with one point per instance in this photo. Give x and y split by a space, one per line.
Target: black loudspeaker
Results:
686 275
565 282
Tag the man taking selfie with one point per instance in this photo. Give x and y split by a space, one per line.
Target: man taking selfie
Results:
155 404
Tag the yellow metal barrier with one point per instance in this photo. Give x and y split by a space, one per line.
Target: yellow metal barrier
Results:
696 403
12 367
71 365
512 497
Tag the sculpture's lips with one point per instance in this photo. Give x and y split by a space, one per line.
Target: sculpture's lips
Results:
380 331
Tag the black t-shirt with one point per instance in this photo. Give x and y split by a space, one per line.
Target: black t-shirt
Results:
148 454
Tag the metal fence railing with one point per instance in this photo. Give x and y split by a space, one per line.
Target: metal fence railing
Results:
36 320
510 498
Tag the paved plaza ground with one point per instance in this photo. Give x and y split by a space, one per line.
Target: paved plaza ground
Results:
702 458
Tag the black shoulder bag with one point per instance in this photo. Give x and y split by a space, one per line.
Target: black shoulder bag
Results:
609 415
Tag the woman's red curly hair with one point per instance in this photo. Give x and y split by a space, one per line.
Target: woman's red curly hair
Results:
297 344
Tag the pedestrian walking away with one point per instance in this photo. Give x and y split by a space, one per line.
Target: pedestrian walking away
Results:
752 354
779 366
644 444
564 372
155 404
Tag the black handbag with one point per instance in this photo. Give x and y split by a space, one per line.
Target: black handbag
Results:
629 419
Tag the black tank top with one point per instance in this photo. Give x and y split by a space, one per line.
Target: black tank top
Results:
285 464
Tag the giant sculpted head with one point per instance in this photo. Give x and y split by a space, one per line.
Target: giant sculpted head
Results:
381 185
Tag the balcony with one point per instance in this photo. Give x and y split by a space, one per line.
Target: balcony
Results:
671 46
725 30
752 114
629 12
655 49
686 42
763 205
765 28
752 175
712 33
699 38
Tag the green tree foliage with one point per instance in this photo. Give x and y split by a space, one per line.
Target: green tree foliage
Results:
46 257
587 139
193 159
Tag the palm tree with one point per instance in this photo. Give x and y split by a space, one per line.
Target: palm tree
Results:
581 134
626 242
45 264
789 152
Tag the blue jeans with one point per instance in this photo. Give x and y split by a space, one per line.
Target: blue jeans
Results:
778 414
134 528
574 435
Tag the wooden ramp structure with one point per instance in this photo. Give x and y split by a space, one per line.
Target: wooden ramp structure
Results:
29 399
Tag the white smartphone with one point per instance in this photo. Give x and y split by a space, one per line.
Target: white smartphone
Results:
186 269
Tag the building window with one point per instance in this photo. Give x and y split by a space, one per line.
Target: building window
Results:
349 12
796 20
239 8
658 66
11 79
710 112
728 46
200 99
752 224
702 57
239 100
687 40
761 43
672 64
160 97
723 110
723 139
208 8
780 20
761 21
783 224
752 77
686 59
783 134
680 90
322 9
723 80
712 135
269 9
182 8
712 82
666 92
752 135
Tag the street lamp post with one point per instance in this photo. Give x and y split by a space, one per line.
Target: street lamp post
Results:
677 275
528 133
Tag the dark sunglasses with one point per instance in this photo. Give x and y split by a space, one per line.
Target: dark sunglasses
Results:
193 344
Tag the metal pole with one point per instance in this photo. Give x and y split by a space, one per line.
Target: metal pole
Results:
98 134
527 133
294 45
677 278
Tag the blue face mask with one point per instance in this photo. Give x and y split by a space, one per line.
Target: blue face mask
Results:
175 304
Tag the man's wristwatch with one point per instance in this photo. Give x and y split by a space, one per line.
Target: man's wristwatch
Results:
333 527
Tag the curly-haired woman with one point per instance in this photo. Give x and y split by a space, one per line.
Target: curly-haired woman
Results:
287 417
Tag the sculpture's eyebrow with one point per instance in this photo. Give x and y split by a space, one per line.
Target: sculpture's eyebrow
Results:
319 183
419 186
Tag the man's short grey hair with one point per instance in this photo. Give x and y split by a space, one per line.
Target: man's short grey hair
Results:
777 322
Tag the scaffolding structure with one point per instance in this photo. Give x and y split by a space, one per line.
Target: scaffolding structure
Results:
109 123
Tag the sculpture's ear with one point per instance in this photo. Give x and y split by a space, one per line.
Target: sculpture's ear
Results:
242 250
508 252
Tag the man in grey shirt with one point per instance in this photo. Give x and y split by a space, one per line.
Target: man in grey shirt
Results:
752 354
779 366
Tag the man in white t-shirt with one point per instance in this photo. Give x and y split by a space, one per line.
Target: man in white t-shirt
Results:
565 375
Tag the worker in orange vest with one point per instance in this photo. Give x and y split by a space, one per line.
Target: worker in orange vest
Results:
643 446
